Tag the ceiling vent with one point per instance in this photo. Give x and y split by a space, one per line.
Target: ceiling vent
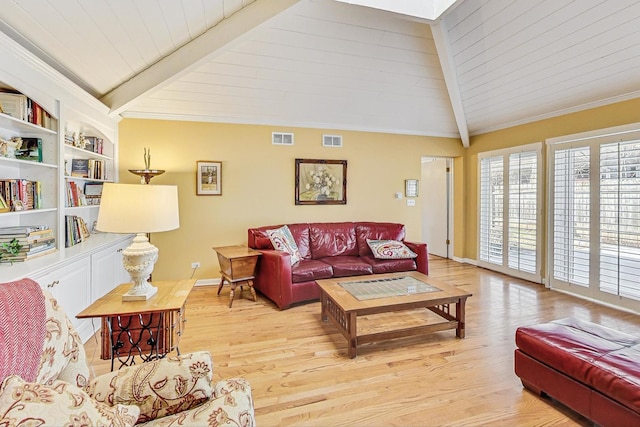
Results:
281 138
332 140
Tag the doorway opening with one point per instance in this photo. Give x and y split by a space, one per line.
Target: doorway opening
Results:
437 205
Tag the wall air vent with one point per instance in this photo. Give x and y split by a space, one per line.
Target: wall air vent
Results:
281 138
332 140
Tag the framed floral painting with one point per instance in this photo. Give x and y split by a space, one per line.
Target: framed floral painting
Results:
321 182
209 178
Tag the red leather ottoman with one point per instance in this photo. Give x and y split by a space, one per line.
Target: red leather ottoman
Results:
592 369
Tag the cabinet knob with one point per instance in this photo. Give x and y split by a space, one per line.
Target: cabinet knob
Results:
52 284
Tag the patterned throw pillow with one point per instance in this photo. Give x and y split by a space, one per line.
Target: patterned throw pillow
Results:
282 240
390 249
61 403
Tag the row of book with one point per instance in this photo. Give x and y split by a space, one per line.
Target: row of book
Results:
24 108
22 243
76 230
89 168
21 194
88 143
76 196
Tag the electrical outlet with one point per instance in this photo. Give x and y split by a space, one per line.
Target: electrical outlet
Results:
195 265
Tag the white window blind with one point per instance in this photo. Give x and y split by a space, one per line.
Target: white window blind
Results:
595 215
508 216
523 211
491 209
620 219
571 216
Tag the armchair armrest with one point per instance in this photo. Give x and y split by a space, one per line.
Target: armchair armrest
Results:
422 260
273 276
159 388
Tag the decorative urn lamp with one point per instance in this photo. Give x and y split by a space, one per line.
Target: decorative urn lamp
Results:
139 209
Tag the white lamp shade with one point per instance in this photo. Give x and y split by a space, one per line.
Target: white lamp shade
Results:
137 208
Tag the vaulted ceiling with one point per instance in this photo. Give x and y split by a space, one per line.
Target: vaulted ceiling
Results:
482 65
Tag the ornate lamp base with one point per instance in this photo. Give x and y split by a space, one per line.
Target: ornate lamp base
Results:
138 260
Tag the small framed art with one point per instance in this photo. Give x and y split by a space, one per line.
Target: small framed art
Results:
321 182
411 188
208 178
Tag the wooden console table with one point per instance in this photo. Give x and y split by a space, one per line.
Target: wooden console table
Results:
147 329
237 265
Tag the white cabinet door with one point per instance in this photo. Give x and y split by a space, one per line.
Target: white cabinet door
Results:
70 285
107 271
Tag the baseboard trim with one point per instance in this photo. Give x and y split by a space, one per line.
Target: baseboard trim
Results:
465 260
207 282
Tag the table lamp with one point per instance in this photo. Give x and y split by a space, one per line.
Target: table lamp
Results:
139 209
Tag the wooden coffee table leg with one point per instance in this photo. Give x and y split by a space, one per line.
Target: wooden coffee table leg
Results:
353 334
460 317
323 307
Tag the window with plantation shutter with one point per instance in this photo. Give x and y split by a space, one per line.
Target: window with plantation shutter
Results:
508 215
620 218
571 203
595 215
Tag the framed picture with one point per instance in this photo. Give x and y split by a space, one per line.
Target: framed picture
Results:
209 178
411 188
321 182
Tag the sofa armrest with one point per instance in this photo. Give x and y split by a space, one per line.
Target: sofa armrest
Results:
422 260
273 277
159 388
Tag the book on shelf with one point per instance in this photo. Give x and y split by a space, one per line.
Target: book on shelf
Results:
76 230
30 149
21 194
93 144
23 229
14 105
32 241
80 168
21 107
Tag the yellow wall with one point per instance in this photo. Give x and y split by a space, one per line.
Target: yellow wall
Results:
598 118
258 182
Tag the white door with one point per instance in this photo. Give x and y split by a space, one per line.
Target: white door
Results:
436 205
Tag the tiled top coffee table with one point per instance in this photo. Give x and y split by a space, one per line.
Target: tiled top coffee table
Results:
343 299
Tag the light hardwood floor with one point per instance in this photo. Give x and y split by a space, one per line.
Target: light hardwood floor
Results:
300 373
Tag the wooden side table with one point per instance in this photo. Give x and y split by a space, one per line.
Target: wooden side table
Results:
237 265
146 329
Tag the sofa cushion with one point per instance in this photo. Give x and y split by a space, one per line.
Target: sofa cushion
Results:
390 249
332 239
282 240
259 239
57 404
310 269
377 231
389 265
344 266
597 356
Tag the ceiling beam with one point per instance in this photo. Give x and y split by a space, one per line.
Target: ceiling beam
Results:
451 80
193 54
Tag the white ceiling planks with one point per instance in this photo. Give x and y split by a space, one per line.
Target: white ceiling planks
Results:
483 65
517 60
321 65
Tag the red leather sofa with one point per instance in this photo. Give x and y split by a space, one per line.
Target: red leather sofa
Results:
337 249
592 369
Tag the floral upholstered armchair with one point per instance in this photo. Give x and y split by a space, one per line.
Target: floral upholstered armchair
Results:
45 377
